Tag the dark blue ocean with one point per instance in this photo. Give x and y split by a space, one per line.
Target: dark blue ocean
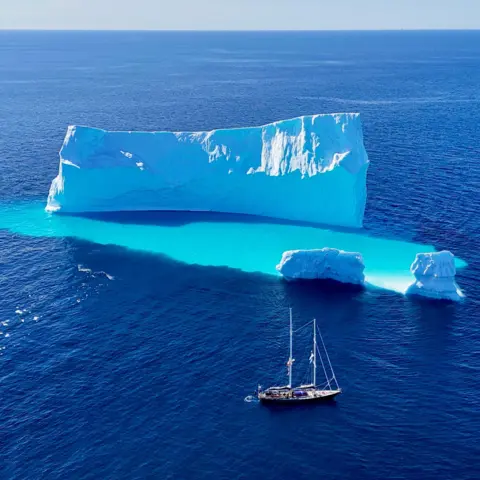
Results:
118 363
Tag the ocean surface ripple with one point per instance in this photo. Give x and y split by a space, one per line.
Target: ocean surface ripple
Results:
122 363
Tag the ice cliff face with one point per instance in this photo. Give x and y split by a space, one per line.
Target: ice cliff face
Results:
325 263
310 168
435 276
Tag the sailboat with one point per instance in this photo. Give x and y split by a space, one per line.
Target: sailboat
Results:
309 392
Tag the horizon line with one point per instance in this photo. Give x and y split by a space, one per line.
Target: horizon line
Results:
268 30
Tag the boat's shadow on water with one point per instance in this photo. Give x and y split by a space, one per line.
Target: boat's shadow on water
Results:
281 408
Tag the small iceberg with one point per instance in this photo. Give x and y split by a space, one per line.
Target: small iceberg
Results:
435 276
324 263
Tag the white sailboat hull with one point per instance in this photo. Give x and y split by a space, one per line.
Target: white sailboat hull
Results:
297 395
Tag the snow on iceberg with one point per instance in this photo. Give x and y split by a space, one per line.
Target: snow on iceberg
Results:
435 276
310 168
325 263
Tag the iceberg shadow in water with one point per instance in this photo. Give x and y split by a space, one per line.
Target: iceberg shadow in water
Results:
177 218
422 299
331 287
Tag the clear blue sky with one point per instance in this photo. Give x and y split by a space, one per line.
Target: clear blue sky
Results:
239 14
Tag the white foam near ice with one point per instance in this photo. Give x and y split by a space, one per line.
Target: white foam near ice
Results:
110 277
81 268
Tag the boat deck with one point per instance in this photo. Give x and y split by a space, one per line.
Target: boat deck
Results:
296 394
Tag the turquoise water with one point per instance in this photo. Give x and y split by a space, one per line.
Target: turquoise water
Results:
250 247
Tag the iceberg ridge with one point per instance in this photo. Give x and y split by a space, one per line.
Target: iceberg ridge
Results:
310 168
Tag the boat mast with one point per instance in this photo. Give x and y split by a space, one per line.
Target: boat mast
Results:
290 359
314 352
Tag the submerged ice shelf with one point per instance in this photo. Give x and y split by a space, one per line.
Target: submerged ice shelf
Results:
310 168
220 240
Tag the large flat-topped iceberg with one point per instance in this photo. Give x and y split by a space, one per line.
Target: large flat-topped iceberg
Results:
310 168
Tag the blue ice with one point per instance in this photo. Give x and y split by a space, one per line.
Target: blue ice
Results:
310 169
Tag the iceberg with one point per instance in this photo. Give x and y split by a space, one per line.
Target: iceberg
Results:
435 276
325 263
309 169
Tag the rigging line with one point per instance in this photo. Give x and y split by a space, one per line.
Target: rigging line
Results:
303 326
323 366
328 358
